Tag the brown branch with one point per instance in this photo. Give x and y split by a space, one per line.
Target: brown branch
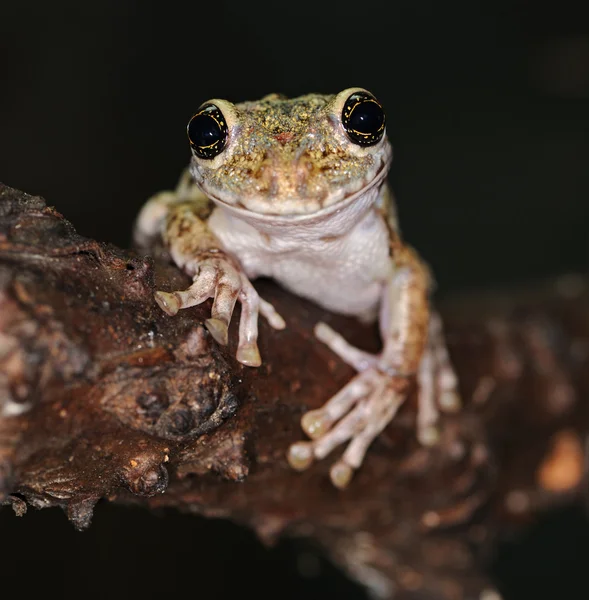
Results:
104 396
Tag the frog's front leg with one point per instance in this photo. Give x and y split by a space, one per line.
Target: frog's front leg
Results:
413 345
181 218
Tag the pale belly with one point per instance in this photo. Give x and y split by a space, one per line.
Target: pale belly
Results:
341 288
345 274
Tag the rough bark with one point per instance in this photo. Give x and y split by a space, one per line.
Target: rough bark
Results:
102 395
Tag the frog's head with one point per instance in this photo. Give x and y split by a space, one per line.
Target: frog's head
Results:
280 156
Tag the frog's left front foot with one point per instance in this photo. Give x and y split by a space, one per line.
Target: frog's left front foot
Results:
360 411
365 406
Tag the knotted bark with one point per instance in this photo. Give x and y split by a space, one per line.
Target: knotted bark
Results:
102 395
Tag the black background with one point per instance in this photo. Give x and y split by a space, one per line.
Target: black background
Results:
488 112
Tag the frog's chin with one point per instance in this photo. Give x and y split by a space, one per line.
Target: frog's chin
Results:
264 208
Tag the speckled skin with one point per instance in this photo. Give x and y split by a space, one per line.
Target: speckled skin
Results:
289 156
293 198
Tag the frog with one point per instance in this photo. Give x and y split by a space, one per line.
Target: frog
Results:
296 190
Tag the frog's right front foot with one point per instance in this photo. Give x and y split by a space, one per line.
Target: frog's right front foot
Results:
219 278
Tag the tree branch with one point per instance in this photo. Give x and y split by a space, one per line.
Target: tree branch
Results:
102 395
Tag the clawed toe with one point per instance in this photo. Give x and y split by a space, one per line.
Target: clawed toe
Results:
219 330
341 474
249 355
315 423
429 435
450 401
169 303
300 455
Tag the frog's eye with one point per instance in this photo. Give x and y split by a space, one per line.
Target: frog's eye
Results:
207 132
363 119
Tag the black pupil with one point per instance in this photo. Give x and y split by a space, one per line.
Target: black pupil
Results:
204 130
366 117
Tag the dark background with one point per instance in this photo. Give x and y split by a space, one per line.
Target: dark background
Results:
488 111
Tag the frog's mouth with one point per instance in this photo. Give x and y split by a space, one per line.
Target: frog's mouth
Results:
296 209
